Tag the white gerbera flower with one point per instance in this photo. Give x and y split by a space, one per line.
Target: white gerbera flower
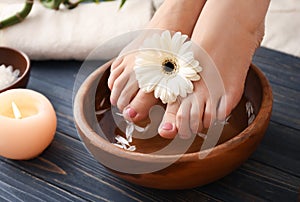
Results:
165 64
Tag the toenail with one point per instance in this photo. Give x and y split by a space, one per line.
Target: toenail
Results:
131 112
167 126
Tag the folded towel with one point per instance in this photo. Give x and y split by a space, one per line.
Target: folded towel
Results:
73 34
283 27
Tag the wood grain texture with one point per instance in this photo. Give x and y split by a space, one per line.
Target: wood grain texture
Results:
283 72
67 172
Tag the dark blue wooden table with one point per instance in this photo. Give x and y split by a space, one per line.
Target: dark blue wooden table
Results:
67 172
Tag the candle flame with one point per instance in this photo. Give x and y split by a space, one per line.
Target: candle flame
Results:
16 111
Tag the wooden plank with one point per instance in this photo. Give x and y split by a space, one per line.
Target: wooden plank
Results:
280 149
60 73
17 185
253 181
68 71
67 164
58 87
287 97
280 68
283 72
84 176
286 105
61 99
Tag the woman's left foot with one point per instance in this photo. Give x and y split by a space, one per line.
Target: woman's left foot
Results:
229 31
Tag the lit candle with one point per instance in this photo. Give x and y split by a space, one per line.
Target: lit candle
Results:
27 124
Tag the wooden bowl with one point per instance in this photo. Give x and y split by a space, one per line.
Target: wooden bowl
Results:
172 169
18 60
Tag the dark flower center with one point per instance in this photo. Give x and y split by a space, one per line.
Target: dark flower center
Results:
169 66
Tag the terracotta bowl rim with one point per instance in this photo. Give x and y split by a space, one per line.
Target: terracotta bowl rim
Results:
104 145
20 78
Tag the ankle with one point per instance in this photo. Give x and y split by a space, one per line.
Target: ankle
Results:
177 15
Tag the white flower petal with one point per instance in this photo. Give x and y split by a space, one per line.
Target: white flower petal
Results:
186 87
176 42
175 84
122 140
187 72
186 47
165 92
251 119
165 41
142 70
183 37
156 41
118 145
148 56
172 98
187 59
195 64
131 148
148 81
153 42
195 78
198 68
152 83
129 131
140 129
161 93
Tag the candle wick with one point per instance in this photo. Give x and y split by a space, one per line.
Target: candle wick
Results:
16 111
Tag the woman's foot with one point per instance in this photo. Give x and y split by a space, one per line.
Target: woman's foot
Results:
178 15
229 31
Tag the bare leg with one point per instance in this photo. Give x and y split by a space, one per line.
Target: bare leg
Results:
176 15
230 31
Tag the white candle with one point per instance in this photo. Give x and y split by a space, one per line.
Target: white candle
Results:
27 124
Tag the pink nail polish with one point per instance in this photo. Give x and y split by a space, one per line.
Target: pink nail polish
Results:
167 126
131 112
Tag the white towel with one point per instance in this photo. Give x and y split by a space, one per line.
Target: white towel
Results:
73 34
283 26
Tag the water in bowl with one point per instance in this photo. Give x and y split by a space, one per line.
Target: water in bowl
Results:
149 141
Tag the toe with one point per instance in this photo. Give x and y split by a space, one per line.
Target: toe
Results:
209 114
223 109
117 88
168 128
116 63
196 116
114 74
139 107
183 119
127 94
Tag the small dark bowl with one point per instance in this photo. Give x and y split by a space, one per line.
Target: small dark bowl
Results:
18 60
179 171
